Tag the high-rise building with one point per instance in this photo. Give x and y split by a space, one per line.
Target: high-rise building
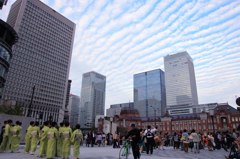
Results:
8 37
149 93
116 109
181 89
74 109
39 71
92 98
66 108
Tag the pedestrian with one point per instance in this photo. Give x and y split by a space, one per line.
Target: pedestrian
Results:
99 139
15 146
60 140
34 138
66 143
52 135
43 139
185 140
196 140
134 134
175 141
149 140
76 139
28 137
6 136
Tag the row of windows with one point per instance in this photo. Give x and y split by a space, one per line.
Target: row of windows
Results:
47 15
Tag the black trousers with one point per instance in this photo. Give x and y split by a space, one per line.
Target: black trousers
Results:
149 146
135 150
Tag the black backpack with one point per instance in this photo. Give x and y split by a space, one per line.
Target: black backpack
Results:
149 134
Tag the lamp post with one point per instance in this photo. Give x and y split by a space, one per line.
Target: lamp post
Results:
111 120
211 112
30 105
154 116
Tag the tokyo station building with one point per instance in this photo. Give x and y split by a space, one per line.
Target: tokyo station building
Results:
225 118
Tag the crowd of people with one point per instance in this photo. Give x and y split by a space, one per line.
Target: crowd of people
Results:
53 140
56 141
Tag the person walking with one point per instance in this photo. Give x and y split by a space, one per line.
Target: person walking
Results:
16 139
149 140
28 137
60 140
185 140
196 140
34 138
76 139
134 134
6 136
52 135
43 139
66 143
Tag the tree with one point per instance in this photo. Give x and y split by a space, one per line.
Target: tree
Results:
11 110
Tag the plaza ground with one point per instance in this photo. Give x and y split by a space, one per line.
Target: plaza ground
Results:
110 153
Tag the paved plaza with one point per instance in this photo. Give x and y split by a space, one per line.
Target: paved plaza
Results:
110 153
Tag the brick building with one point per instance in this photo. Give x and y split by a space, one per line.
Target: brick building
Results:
225 118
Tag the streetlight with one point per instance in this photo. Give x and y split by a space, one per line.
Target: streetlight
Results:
211 112
30 105
111 120
154 116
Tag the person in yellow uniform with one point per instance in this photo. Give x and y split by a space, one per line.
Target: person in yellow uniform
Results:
43 140
16 136
6 136
19 125
76 139
59 141
52 135
34 138
66 143
28 137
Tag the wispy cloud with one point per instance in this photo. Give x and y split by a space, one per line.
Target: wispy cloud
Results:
125 37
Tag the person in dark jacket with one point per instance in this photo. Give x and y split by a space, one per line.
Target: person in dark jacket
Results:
135 136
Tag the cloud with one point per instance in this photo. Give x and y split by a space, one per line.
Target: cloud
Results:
121 38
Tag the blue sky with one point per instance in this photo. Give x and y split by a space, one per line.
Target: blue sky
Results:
119 38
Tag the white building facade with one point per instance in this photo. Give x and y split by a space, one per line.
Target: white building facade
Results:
92 98
181 89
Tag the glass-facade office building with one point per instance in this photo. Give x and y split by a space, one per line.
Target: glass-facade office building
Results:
74 109
149 93
38 76
92 98
181 89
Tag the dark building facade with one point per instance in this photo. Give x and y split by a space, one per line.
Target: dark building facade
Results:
39 72
8 37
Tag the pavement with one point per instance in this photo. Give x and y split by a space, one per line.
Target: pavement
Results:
110 153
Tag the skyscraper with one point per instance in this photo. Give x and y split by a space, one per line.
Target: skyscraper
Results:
74 108
181 89
149 93
39 70
92 98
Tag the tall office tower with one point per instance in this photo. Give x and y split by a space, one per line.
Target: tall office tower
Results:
180 80
92 98
74 109
66 108
8 37
39 71
150 94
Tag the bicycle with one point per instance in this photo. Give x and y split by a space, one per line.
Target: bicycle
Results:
125 150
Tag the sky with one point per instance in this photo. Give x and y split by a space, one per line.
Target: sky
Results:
120 38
